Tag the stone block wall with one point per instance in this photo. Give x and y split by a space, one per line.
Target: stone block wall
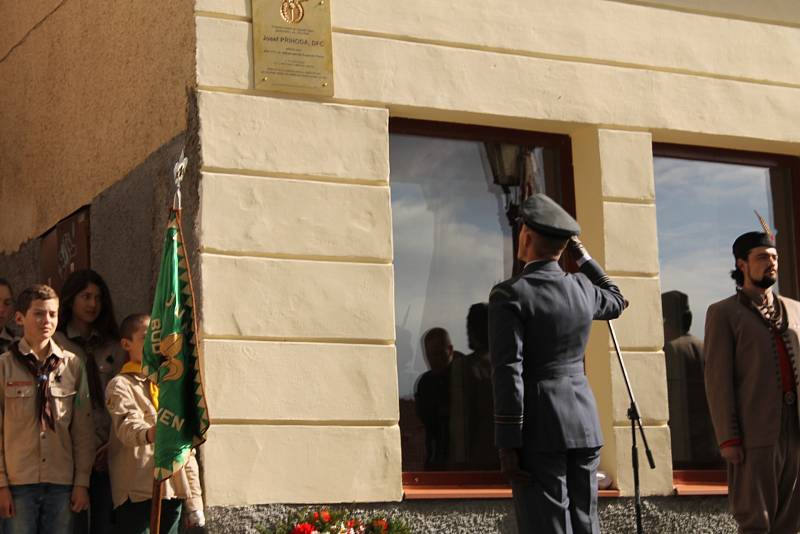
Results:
296 208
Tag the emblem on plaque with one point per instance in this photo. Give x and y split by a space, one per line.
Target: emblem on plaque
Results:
292 11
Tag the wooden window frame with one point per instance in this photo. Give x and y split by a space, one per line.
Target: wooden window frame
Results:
714 481
481 484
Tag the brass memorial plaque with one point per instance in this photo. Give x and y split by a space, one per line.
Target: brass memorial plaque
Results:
292 49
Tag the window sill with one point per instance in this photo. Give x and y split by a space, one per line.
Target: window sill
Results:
420 493
700 482
489 485
461 485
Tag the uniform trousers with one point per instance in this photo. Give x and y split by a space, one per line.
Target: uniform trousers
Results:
764 490
562 495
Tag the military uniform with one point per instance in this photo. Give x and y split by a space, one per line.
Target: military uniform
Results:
539 324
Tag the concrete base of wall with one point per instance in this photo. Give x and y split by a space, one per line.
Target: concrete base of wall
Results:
699 515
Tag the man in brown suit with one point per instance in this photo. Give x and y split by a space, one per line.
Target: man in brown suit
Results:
751 349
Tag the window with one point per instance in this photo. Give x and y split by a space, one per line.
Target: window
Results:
704 200
455 192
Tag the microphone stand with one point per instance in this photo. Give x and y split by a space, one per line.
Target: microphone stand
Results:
633 416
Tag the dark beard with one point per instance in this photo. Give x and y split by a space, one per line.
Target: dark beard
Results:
766 282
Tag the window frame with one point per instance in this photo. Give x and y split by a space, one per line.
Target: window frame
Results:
481 484
714 481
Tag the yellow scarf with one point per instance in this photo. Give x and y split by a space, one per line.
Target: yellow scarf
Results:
136 369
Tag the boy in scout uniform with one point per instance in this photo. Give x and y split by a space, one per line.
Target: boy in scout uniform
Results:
751 346
132 401
47 435
546 424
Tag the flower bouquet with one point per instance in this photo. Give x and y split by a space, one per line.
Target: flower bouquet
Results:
335 522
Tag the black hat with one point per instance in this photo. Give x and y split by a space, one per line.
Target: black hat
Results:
541 213
747 242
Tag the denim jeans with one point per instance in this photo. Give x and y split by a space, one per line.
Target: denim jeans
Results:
40 509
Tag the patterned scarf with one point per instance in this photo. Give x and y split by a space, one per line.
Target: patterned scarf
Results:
776 319
136 369
41 374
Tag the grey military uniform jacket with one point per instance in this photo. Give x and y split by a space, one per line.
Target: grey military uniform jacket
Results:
539 323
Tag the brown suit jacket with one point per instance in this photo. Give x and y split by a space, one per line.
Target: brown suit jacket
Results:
742 374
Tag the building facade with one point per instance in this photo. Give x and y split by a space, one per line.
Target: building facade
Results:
293 214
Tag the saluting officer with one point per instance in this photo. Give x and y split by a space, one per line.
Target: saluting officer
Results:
546 424
751 348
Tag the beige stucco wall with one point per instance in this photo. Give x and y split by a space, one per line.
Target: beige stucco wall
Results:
783 12
615 76
90 90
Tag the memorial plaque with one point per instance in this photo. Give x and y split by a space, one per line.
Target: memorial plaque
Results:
292 49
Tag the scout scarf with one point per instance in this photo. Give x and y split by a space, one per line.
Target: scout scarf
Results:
134 368
41 374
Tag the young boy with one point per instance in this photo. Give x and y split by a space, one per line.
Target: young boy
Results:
47 434
131 399
6 310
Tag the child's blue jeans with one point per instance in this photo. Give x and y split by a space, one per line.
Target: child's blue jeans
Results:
40 509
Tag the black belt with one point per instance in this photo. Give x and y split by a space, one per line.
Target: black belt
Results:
576 369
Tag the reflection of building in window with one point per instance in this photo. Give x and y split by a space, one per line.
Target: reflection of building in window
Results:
702 206
453 240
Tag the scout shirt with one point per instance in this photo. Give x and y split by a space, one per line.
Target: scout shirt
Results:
109 357
30 455
130 456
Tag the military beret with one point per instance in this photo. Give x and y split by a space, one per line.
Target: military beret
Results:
541 213
750 240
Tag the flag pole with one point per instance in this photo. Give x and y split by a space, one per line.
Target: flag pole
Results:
155 506
178 172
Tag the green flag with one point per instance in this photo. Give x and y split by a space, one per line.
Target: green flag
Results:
171 359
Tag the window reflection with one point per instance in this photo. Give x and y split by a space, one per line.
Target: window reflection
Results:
702 207
452 242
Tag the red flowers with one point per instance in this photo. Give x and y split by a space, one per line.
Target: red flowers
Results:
303 528
324 521
324 514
